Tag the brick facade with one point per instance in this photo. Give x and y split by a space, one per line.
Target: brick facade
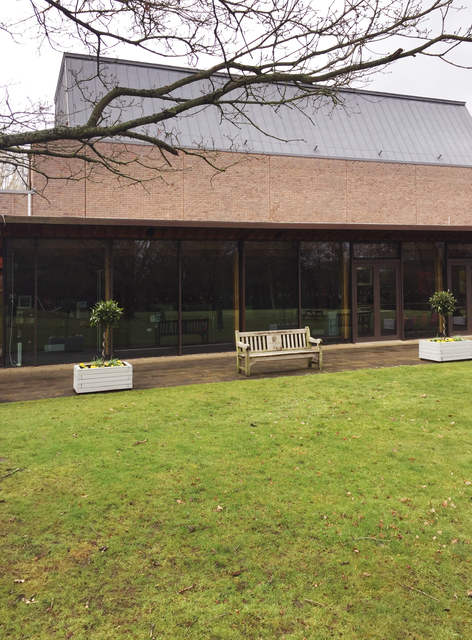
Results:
260 188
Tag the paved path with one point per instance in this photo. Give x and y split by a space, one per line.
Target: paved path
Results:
55 381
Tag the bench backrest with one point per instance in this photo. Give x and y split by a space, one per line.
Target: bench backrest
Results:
189 325
275 340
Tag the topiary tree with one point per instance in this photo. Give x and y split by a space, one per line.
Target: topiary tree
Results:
107 314
444 303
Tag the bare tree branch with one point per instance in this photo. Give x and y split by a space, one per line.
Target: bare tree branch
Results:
256 49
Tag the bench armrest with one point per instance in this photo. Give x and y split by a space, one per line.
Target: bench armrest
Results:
317 341
243 345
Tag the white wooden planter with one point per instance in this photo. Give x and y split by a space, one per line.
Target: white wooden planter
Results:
445 351
103 378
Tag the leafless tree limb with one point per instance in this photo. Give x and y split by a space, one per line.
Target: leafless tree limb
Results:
255 48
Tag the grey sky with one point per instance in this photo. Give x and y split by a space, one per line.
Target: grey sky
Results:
32 74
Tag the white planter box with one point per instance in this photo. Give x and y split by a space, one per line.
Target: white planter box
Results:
103 378
445 351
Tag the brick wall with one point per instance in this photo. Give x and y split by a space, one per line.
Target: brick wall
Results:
257 189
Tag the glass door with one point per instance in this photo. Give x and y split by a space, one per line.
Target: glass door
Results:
376 301
460 285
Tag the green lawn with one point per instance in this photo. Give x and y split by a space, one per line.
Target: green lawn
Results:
326 506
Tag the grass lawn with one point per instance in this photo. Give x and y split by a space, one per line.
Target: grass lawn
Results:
327 506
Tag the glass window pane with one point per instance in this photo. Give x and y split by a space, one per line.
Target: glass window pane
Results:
376 250
70 281
145 284
271 285
324 282
19 265
388 300
210 300
1 302
459 250
365 301
459 291
422 276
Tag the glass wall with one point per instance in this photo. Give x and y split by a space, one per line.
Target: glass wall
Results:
145 284
210 300
422 276
70 280
460 285
1 303
19 283
51 286
324 268
271 270
185 294
375 250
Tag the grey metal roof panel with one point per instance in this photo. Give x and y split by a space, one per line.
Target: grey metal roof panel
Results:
366 126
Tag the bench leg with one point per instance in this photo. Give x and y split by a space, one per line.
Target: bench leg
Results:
238 366
320 360
247 365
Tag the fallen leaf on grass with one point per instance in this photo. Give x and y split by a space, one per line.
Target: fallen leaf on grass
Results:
18 581
469 593
218 508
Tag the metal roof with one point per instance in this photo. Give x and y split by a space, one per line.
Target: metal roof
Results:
367 125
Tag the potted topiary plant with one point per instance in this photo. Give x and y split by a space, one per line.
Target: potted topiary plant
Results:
102 374
442 348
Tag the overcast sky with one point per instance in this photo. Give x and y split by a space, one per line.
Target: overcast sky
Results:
30 73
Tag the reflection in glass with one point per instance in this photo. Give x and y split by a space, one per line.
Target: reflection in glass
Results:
374 250
145 284
271 285
19 262
459 291
210 298
365 301
459 250
422 276
324 270
48 317
70 282
1 303
388 300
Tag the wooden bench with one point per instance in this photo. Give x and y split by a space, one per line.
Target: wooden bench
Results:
190 326
276 345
